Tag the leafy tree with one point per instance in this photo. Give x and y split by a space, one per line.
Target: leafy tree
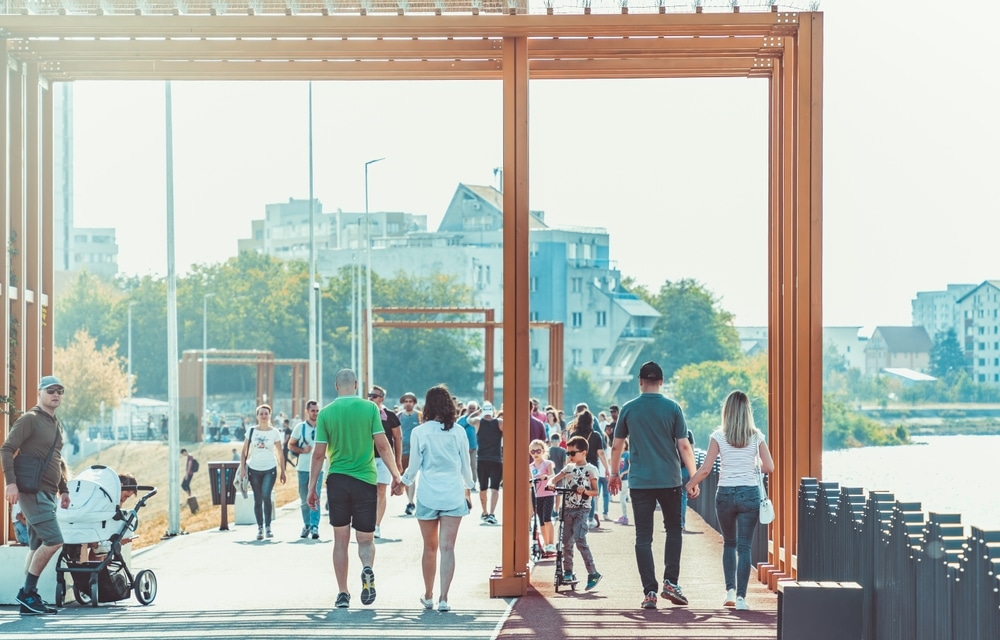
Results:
87 304
702 388
580 387
845 428
947 355
692 327
92 375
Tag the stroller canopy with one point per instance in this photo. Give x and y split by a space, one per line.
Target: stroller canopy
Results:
94 496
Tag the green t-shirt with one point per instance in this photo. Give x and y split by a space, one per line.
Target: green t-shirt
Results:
653 424
347 426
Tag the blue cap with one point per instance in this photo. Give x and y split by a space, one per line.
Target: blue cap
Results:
49 381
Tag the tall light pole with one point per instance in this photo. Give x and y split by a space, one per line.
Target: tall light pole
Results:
129 377
319 347
312 262
204 355
370 367
173 383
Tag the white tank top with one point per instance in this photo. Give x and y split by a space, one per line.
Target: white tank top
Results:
737 466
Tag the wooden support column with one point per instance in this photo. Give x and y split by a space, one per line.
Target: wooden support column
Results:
489 372
31 245
511 579
23 397
5 529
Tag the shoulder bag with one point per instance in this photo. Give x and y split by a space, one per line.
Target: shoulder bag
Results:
766 506
28 470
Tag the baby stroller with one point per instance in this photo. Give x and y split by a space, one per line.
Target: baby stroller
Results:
95 519
560 576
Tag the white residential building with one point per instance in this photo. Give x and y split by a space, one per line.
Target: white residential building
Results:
937 311
980 335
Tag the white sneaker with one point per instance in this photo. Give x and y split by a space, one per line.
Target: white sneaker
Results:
378 532
444 606
741 604
730 598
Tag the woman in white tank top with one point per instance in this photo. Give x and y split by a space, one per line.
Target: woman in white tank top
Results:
739 444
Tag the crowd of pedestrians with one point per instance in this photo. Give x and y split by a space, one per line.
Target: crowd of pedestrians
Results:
438 451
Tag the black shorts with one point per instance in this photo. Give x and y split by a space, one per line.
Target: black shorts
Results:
351 502
490 474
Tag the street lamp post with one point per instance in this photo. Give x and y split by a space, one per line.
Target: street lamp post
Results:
313 383
204 355
369 368
319 347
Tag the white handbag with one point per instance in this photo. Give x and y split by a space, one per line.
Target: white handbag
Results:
766 506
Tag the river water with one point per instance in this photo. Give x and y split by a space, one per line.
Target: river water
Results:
946 474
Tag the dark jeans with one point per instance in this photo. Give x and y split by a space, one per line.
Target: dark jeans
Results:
262 483
643 507
738 509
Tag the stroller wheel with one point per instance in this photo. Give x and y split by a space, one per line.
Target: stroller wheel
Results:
82 595
145 586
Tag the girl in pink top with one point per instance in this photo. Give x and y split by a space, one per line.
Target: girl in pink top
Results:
541 470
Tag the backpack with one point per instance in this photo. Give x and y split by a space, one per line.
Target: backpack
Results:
194 465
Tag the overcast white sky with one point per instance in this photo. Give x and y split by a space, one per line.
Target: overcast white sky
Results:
674 169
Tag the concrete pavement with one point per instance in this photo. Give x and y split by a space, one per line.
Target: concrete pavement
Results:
224 584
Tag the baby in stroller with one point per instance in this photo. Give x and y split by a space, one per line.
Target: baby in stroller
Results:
96 532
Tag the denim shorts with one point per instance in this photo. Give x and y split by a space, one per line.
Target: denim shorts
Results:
426 513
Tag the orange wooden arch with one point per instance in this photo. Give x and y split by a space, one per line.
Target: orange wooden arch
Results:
340 40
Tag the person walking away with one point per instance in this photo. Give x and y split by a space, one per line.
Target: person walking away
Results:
541 470
581 477
439 453
623 492
471 409
190 466
740 445
659 446
685 476
583 426
390 425
489 430
409 418
263 466
38 435
345 431
301 444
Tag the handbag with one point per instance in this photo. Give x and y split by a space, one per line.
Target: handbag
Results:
241 482
766 506
28 470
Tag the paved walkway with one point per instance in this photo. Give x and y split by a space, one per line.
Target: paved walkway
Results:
224 584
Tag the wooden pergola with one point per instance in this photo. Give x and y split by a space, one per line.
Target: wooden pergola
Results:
476 41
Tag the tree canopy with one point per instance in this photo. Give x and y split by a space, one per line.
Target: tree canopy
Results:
92 375
947 355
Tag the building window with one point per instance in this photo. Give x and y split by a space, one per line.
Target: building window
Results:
534 357
982 330
982 362
598 355
602 318
533 249
577 284
577 355
533 284
577 319
533 316
982 377
981 346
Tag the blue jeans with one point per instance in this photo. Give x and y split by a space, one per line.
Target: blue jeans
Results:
602 490
262 483
310 518
643 508
738 509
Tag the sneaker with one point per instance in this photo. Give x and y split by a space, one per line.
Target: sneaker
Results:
305 532
427 603
378 531
597 522
367 586
550 548
444 606
591 523
484 517
649 602
260 533
315 532
730 598
32 604
267 532
741 604
593 579
491 519
673 593
410 508
622 520
343 600
569 577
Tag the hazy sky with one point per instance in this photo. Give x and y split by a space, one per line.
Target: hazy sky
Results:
675 170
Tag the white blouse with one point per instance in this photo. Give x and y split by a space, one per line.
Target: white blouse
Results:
441 458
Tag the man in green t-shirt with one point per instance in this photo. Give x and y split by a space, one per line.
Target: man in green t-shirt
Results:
345 430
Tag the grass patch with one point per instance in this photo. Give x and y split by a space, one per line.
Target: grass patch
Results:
150 463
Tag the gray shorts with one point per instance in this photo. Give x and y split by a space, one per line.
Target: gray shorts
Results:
426 513
40 513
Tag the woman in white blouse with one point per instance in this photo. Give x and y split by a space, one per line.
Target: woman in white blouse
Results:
439 453
737 501
260 461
